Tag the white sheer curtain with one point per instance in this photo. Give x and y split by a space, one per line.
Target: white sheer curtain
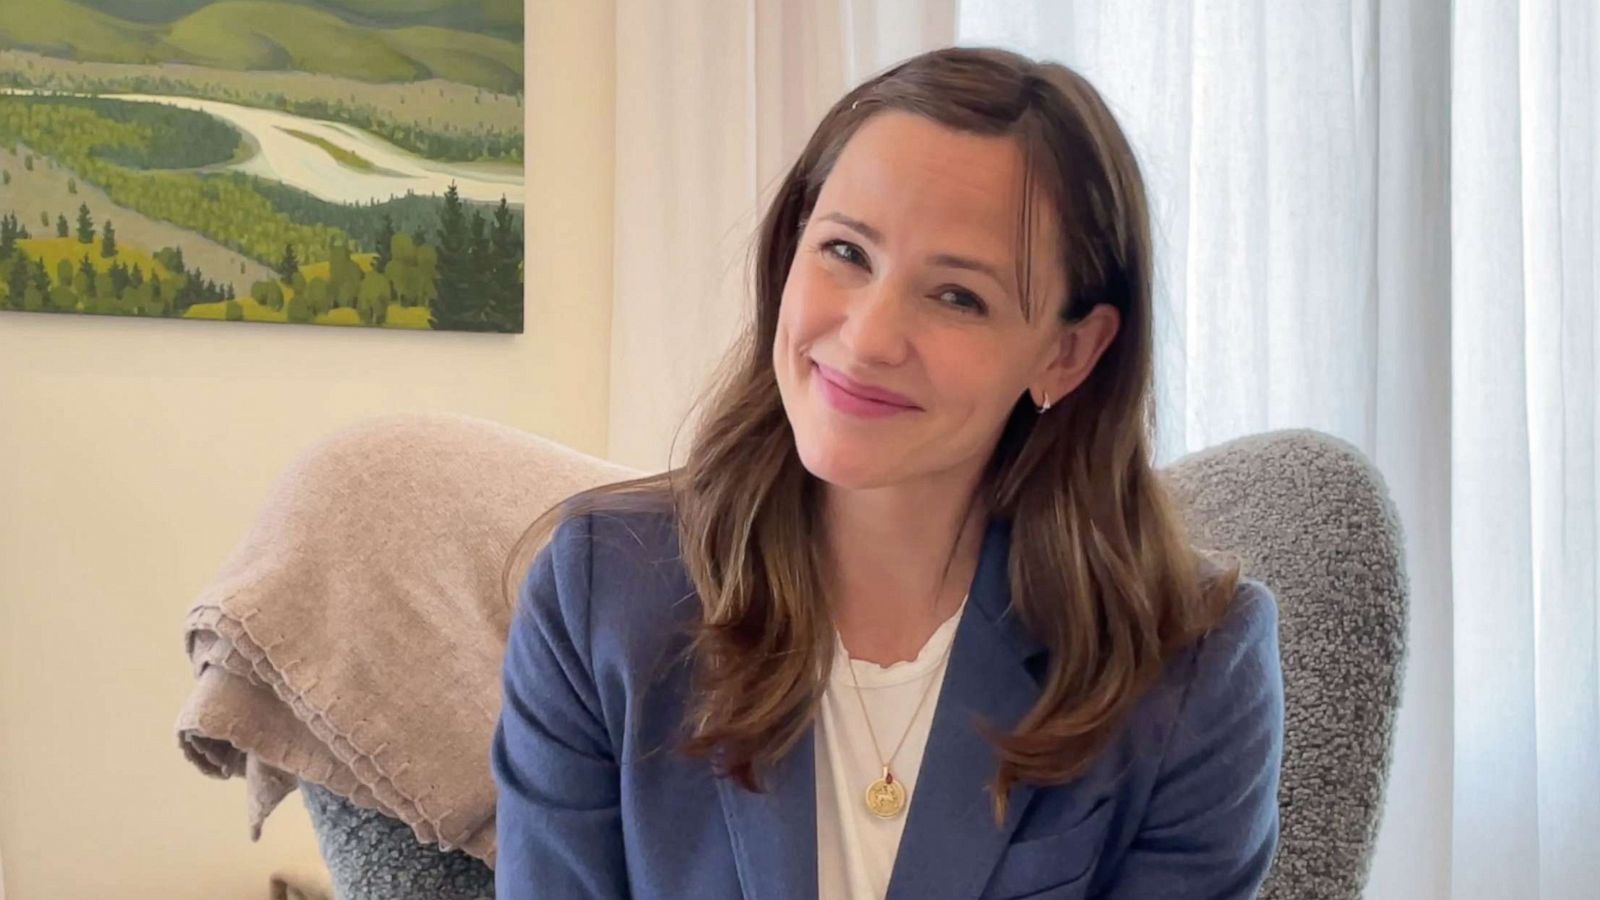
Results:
1526 134
714 100
1375 219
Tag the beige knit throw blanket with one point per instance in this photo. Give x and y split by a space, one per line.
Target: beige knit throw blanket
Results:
355 635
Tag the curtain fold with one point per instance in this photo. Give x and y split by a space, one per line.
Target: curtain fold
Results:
714 101
1523 455
1374 219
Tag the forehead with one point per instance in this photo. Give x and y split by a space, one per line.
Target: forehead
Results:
931 188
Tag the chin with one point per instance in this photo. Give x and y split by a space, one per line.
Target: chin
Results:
845 467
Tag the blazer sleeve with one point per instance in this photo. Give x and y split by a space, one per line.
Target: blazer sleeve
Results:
1211 827
558 825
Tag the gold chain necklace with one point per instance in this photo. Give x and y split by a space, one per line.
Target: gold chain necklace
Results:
886 796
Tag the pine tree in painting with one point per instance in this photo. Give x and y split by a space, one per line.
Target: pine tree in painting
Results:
85 225
384 242
453 304
506 249
289 265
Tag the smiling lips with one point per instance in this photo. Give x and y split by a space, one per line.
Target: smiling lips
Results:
858 399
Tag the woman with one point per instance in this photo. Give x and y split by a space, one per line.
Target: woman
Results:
916 618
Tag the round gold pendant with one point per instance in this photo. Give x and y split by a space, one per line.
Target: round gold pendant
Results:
885 799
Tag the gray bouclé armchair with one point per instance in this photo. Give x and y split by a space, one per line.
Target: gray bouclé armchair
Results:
1306 513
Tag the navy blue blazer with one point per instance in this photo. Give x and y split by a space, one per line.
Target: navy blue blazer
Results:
1182 804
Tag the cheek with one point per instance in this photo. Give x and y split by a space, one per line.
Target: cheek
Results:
977 379
796 330
803 301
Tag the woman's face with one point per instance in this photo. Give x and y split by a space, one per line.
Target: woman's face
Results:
901 346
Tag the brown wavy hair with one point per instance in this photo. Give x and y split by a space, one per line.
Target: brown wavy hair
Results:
1101 570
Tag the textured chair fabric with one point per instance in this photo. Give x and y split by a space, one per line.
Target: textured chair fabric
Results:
1311 518
371 856
1307 515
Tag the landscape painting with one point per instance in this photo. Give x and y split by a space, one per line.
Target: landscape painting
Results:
323 162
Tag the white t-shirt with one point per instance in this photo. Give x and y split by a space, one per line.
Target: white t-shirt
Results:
856 849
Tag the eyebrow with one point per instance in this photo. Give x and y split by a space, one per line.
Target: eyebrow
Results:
939 259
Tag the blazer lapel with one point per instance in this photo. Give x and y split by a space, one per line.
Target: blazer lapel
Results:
775 833
951 843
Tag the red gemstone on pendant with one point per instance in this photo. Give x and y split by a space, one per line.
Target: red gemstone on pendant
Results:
888 778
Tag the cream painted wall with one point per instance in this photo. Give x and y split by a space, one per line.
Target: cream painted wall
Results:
133 454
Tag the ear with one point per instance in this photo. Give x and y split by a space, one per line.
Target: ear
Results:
1074 352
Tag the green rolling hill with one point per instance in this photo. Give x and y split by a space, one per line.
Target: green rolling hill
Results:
500 18
368 40
63 28
467 58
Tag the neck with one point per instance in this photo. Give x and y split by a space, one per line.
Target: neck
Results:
902 558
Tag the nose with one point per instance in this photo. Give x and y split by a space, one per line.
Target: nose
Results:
876 328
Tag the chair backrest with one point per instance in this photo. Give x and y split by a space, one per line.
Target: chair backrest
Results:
1305 512
1311 518
370 855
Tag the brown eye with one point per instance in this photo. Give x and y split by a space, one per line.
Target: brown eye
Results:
964 300
843 250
